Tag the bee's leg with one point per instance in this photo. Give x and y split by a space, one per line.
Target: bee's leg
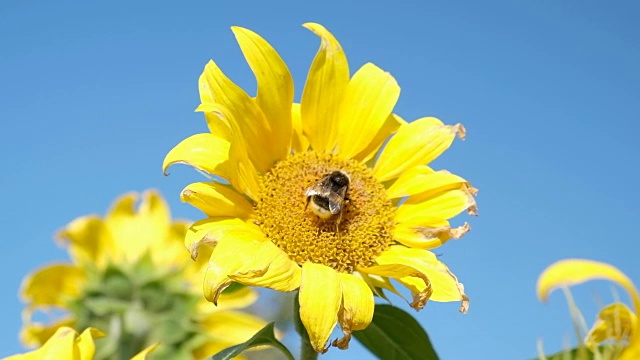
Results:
307 204
338 223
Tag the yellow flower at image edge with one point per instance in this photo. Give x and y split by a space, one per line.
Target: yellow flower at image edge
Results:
282 219
131 277
66 344
614 322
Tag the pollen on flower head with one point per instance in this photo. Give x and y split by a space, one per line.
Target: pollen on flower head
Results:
365 226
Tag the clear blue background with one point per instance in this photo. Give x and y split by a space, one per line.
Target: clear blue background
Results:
93 95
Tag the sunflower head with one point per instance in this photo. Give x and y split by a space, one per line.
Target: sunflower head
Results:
131 277
333 195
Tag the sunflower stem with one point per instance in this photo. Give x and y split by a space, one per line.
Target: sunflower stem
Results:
307 352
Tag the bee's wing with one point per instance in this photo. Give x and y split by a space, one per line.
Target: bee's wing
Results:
336 199
322 188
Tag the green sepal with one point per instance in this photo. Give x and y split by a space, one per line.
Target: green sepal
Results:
265 336
394 334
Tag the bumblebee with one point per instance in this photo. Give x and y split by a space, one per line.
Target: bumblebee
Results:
327 196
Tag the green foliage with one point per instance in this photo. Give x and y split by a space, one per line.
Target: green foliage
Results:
394 334
263 337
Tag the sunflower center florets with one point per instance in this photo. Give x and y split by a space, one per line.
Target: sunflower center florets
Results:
311 226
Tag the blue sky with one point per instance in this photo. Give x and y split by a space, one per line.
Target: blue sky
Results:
94 94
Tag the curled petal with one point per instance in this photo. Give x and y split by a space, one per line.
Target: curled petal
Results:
444 284
248 258
356 311
423 179
216 200
320 298
419 283
205 152
208 232
416 143
427 237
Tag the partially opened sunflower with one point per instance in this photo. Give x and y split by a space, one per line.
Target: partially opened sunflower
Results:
265 154
132 278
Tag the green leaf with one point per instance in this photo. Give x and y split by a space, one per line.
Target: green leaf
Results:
394 334
262 337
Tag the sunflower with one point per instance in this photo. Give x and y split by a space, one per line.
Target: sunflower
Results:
615 322
278 218
131 277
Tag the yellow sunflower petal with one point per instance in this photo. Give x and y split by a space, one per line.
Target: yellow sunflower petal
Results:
65 344
445 285
148 225
391 124
275 87
445 205
242 170
218 126
615 322
205 152
226 329
53 285
299 142
368 101
208 232
320 298
377 282
237 299
416 143
142 355
244 117
356 311
215 200
36 334
415 235
89 240
423 179
326 83
247 258
576 271
85 344
421 288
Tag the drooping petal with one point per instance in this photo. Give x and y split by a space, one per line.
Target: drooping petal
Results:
320 299
89 240
323 91
368 101
244 117
416 143
215 199
444 205
424 235
205 152
148 224
230 300
299 142
444 284
391 124
421 289
357 307
248 258
275 87
208 232
53 285
377 283
576 271
615 322
423 179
